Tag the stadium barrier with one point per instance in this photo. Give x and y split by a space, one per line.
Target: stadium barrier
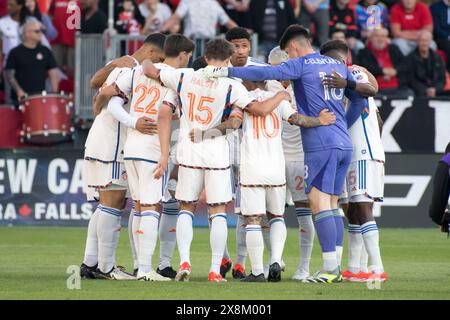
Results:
93 51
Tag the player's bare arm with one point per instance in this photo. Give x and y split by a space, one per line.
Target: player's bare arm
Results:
336 81
101 75
265 107
11 77
102 97
164 122
233 123
325 118
150 70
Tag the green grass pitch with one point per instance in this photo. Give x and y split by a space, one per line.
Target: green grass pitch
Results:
34 260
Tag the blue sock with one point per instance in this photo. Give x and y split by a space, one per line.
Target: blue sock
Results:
339 221
326 230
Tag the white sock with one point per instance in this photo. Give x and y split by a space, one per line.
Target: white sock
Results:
108 231
278 235
255 248
167 234
329 261
226 254
91 250
217 239
185 234
371 242
147 239
306 236
241 245
131 237
355 245
339 250
265 228
364 258
136 223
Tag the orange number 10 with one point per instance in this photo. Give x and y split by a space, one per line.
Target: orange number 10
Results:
259 125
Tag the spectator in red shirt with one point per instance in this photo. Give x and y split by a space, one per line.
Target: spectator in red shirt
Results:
408 17
65 22
386 63
3 8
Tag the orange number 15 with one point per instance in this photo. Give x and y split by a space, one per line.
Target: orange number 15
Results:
201 108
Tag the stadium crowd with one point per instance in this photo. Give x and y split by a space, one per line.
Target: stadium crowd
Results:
404 43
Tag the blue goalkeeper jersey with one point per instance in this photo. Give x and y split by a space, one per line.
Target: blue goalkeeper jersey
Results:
311 96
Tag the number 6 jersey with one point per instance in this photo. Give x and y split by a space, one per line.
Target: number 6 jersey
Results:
147 95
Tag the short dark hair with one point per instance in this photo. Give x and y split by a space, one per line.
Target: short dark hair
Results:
237 33
156 39
334 45
447 150
177 43
199 63
219 49
293 31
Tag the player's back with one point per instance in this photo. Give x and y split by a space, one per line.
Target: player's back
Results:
262 158
312 97
203 102
147 97
107 136
365 132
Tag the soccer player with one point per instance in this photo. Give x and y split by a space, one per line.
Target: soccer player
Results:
241 40
365 177
104 173
146 156
328 149
295 172
205 164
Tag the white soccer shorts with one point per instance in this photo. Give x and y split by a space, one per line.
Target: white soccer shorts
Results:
260 200
366 177
105 176
295 172
192 181
143 186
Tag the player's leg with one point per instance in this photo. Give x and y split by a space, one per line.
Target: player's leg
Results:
295 172
339 221
275 200
190 184
168 224
150 196
241 234
133 224
253 208
218 191
355 244
90 260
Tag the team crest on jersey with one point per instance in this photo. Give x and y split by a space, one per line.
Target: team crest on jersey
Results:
363 151
124 175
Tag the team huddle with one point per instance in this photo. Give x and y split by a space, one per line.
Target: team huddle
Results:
302 130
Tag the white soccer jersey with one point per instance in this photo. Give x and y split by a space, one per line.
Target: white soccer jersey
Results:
147 97
365 132
203 101
107 136
262 158
291 136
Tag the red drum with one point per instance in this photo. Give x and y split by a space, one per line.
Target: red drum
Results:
47 118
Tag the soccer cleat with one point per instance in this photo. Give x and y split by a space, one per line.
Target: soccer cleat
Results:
87 272
355 277
274 272
324 277
184 272
151 276
252 278
115 274
238 271
215 277
225 266
167 272
380 277
300 275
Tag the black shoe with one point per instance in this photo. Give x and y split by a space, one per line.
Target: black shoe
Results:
225 266
167 272
253 278
135 272
87 272
238 273
274 273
